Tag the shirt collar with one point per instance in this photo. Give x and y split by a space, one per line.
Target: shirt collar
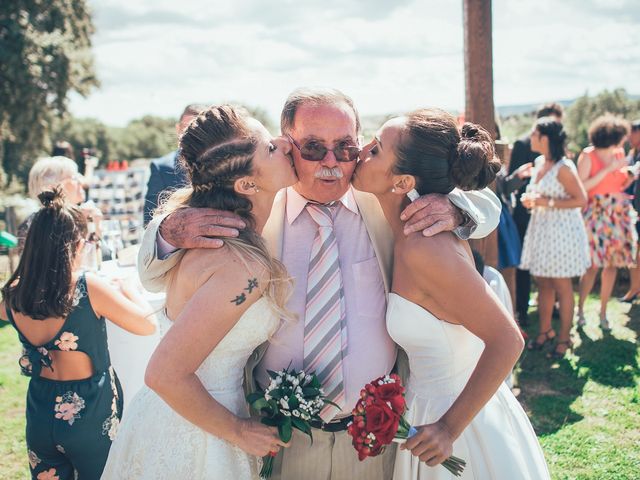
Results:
296 203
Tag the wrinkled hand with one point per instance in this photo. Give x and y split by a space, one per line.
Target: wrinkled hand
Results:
432 213
258 439
524 171
433 444
193 227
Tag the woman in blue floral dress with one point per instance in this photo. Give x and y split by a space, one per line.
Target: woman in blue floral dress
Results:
74 400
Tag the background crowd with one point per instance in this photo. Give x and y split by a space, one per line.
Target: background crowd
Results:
574 217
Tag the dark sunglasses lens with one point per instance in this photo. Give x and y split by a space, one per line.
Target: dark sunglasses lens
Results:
313 152
347 154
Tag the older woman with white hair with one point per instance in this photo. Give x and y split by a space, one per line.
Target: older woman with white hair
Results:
59 171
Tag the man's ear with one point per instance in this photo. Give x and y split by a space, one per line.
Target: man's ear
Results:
245 186
403 184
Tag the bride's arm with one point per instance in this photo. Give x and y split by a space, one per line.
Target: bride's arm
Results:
444 272
209 315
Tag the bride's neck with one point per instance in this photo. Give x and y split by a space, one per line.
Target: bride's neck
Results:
392 206
261 210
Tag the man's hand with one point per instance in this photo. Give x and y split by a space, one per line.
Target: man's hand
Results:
193 227
432 213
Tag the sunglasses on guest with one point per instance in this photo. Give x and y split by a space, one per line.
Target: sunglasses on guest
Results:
314 151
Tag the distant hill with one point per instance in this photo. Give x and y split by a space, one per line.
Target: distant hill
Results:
509 110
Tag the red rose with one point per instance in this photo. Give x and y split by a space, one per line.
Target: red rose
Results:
392 393
382 422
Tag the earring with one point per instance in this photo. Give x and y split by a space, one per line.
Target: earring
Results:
393 190
257 189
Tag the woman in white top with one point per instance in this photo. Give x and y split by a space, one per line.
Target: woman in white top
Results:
555 246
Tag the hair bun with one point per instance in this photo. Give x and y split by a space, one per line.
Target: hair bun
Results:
474 164
52 198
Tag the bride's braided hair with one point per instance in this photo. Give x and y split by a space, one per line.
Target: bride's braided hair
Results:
216 149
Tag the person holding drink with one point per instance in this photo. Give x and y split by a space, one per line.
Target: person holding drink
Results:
555 246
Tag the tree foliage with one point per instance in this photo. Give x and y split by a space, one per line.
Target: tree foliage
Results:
45 53
586 109
578 116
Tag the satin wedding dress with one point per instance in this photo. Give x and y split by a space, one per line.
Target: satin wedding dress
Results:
499 443
155 442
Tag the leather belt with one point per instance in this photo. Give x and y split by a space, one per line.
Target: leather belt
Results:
333 426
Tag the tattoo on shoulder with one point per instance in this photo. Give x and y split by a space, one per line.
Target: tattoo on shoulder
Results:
253 283
240 299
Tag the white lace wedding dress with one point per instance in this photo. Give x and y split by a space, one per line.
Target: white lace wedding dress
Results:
499 443
155 442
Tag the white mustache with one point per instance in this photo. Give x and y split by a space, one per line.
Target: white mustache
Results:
326 172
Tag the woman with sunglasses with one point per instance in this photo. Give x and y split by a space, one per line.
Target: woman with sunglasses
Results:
460 340
74 400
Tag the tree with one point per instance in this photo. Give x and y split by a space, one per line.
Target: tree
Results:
45 52
586 109
83 133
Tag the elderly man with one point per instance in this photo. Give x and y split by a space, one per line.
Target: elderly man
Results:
323 127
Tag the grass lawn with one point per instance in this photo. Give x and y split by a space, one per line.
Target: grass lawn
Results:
585 408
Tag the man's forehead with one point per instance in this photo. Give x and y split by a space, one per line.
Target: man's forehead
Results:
325 122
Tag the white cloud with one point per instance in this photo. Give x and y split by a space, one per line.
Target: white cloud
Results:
156 56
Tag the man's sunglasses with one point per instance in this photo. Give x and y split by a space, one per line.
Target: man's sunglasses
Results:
315 151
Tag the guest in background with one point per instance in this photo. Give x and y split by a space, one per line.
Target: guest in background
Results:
509 243
555 246
62 172
166 173
633 159
522 158
496 281
74 400
62 148
610 218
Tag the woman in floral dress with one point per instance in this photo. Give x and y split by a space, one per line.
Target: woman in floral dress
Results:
609 217
74 400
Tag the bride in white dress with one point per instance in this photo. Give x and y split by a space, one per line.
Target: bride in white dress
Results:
192 421
460 341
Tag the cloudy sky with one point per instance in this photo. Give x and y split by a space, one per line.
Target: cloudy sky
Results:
155 56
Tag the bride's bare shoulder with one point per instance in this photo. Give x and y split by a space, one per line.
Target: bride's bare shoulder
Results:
431 255
203 263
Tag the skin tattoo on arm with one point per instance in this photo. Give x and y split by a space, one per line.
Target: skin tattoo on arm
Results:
240 299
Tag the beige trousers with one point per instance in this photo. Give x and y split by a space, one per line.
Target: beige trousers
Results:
331 457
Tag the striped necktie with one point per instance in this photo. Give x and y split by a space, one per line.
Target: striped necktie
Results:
325 332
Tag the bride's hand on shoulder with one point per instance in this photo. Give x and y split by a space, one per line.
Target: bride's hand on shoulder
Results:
433 444
258 439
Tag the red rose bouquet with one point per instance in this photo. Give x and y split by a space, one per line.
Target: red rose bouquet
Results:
378 420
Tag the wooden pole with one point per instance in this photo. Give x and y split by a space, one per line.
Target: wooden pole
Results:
478 63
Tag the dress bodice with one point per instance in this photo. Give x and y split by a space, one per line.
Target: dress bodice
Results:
442 355
81 331
549 185
222 371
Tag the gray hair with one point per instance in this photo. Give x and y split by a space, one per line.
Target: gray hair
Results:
48 172
313 96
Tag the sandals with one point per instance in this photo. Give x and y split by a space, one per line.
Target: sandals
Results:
582 321
547 336
604 324
629 299
559 354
